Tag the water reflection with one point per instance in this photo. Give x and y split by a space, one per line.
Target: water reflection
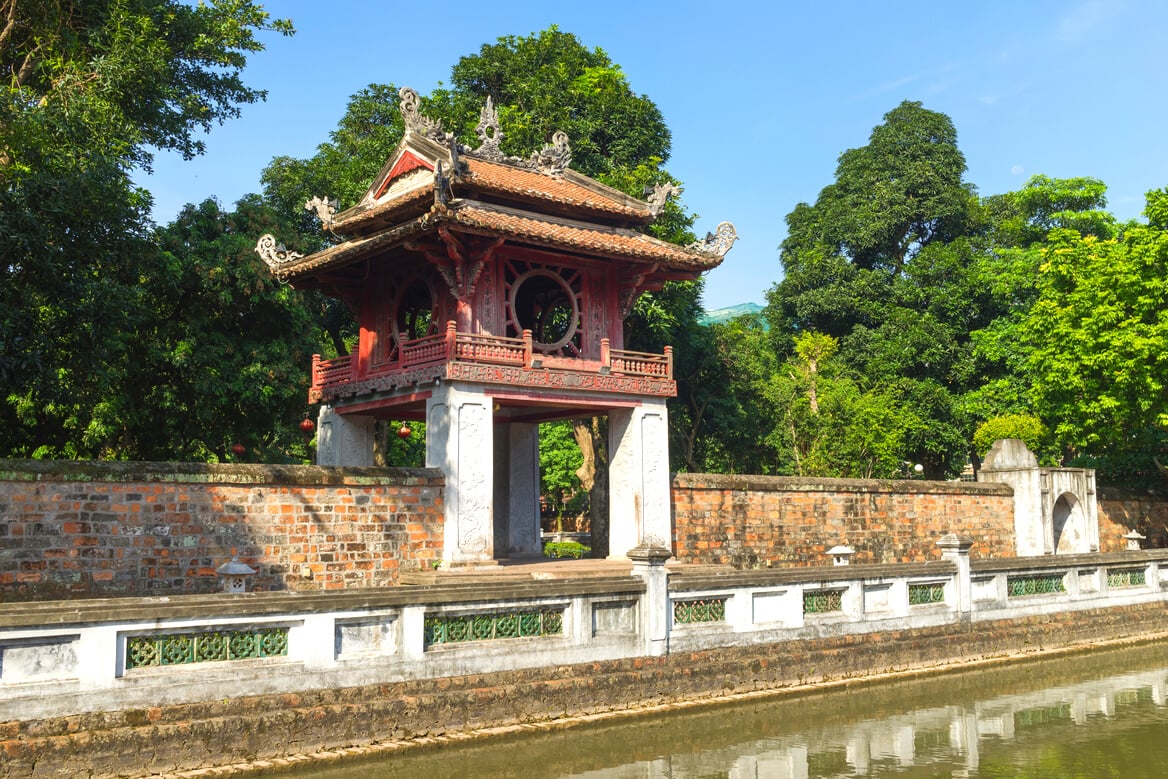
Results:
1097 715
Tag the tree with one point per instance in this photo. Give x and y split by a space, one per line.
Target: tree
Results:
828 424
548 82
1097 343
882 263
226 344
728 402
559 464
91 89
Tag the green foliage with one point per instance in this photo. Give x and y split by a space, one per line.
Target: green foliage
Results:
1097 338
93 87
1028 429
559 461
548 82
882 263
730 402
226 346
828 424
565 550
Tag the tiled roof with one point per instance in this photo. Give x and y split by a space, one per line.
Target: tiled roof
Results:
532 184
609 242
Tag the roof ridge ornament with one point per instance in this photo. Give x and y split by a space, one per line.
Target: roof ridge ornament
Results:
553 158
659 194
415 122
325 210
717 242
490 133
274 253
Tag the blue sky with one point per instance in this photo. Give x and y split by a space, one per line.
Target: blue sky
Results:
761 98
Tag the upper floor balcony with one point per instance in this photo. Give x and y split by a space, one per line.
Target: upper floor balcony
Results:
491 359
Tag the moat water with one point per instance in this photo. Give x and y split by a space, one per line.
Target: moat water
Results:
1103 714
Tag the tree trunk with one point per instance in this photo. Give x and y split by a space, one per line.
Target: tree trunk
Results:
593 474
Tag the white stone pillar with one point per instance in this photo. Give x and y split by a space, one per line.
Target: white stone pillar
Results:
523 537
459 442
638 478
343 439
655 614
955 549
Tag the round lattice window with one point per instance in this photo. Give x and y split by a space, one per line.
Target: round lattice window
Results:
414 312
543 303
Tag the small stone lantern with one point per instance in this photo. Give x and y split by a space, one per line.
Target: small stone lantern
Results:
235 575
841 555
1133 540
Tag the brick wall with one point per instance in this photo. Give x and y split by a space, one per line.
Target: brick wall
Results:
755 521
1122 511
73 529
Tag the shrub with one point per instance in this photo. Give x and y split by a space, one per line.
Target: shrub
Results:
1029 429
565 549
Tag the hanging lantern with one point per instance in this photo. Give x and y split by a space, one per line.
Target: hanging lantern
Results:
307 427
239 449
404 432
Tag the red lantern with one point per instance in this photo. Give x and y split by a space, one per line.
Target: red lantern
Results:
404 432
307 427
239 449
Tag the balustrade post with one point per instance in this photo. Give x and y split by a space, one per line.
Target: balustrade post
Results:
605 353
956 548
669 362
649 564
317 379
451 339
528 348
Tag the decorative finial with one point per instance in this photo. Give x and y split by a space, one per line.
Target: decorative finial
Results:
441 186
660 193
717 242
553 159
273 253
324 210
489 132
415 122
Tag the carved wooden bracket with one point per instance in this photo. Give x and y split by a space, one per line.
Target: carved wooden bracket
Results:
631 287
459 264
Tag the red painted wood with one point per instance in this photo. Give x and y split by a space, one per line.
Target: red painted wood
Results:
404 165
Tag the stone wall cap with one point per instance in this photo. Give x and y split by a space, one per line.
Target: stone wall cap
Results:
745 483
213 473
649 554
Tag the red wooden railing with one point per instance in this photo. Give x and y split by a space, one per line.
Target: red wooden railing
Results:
453 346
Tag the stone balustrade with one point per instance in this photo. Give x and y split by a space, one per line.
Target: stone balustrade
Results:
63 657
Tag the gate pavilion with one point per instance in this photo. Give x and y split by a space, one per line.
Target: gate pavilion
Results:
491 292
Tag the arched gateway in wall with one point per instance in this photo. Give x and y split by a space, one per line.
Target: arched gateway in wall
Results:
1054 508
491 293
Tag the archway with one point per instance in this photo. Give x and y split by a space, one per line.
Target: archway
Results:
1068 526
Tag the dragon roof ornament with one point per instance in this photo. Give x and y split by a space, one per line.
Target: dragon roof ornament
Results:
659 193
324 209
717 242
273 253
415 121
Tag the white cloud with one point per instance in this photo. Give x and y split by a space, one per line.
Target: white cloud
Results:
1017 170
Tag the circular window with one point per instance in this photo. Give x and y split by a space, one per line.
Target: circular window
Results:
544 304
414 312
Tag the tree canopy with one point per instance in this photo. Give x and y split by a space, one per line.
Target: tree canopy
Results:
90 89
